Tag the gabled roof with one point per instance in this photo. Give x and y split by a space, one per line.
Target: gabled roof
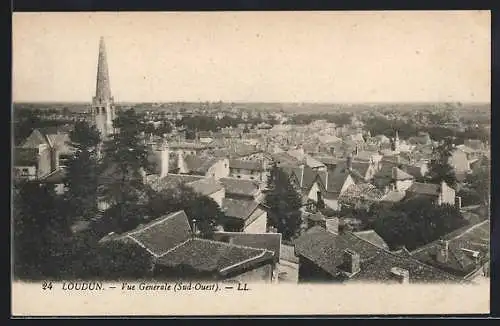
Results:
234 186
424 188
326 249
205 186
175 180
35 139
461 244
239 208
207 256
162 234
246 165
25 156
268 241
372 237
199 164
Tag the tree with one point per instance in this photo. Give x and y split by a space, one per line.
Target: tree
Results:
84 136
284 204
439 167
125 160
202 209
477 185
81 182
40 227
415 222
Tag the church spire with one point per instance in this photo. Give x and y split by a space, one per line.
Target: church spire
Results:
102 102
103 90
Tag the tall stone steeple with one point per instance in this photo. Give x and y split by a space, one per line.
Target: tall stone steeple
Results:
103 103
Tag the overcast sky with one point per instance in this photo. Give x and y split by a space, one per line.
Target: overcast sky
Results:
255 56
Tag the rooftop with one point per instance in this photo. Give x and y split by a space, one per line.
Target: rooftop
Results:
205 186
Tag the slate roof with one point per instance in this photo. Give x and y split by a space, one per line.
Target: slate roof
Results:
205 186
213 256
239 208
162 234
25 156
460 262
326 249
267 241
240 187
424 188
246 165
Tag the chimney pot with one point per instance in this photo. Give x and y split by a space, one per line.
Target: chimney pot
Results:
442 253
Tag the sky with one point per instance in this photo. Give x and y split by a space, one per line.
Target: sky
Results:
255 56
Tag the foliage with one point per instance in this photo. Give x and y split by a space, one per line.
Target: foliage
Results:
84 136
40 226
284 204
439 167
203 209
81 182
415 222
477 186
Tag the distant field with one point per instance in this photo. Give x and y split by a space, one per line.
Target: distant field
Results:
285 107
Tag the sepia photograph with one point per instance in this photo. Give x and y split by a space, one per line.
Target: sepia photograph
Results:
234 152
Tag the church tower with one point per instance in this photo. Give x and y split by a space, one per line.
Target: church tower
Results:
395 143
103 110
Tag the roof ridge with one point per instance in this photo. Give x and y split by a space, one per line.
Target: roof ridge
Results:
233 245
409 258
157 221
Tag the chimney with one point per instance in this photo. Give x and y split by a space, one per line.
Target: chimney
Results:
400 275
180 162
195 227
394 173
332 224
442 253
351 261
458 202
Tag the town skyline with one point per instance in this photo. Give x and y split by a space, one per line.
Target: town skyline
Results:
236 62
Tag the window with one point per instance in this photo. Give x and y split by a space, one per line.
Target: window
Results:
251 178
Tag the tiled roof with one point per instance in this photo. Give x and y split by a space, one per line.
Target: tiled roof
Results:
393 196
372 237
199 164
162 234
424 188
267 241
61 141
213 256
328 160
326 249
206 186
284 158
239 186
175 180
246 165
239 208
460 262
25 156
365 191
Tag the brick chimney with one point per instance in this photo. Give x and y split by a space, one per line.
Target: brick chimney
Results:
351 261
443 251
400 275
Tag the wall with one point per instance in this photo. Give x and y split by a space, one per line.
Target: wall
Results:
44 161
218 196
28 172
248 175
260 274
259 225
310 272
348 182
313 193
447 195
219 170
403 185
459 161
